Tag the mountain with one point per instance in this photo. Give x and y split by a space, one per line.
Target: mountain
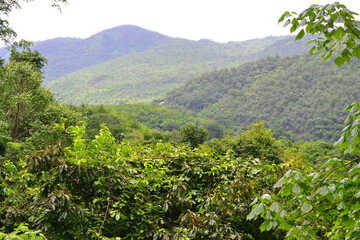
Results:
149 74
99 48
132 64
300 97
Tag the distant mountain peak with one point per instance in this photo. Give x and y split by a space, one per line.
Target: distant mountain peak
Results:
131 30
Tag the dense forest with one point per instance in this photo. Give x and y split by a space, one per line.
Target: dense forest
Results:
119 66
288 93
209 167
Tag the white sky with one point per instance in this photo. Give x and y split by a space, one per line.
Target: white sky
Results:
218 20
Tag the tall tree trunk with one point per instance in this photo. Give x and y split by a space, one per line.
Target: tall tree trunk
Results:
15 128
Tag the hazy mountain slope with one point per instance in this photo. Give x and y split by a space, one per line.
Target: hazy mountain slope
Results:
141 76
66 55
100 48
150 74
55 46
298 95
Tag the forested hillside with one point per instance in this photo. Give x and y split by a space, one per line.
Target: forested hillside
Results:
141 171
300 97
149 74
69 54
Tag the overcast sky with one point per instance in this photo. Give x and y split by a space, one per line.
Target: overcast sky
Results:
218 20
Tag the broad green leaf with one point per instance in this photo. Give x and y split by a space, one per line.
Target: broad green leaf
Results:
306 207
309 27
357 195
289 173
275 207
285 191
348 119
283 214
340 206
285 14
272 225
313 50
300 35
259 209
296 189
265 225
251 215
299 177
279 183
293 28
287 23
285 225
356 52
266 196
339 34
339 61
254 201
327 55
322 191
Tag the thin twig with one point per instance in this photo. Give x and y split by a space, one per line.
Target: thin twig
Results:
107 209
356 159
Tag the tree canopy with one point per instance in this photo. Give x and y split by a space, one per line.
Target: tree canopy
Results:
322 204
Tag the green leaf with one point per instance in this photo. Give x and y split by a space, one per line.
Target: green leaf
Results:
339 34
293 28
285 14
339 61
300 35
279 183
327 55
322 191
339 19
299 177
285 225
306 207
296 189
260 209
356 52
251 215
309 27
347 120
275 207
266 198
272 225
254 202
283 214
287 23
357 195
285 191
340 206
313 50
265 225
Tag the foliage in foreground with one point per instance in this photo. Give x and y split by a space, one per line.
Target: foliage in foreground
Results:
322 204
104 189
30 117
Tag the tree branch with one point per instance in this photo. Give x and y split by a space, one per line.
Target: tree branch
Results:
348 163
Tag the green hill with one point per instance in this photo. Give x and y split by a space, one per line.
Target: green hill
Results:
66 55
300 97
96 49
132 64
148 75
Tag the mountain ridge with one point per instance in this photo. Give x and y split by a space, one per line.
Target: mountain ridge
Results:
300 97
147 75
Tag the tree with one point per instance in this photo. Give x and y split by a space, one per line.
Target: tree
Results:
336 28
29 112
323 204
194 136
